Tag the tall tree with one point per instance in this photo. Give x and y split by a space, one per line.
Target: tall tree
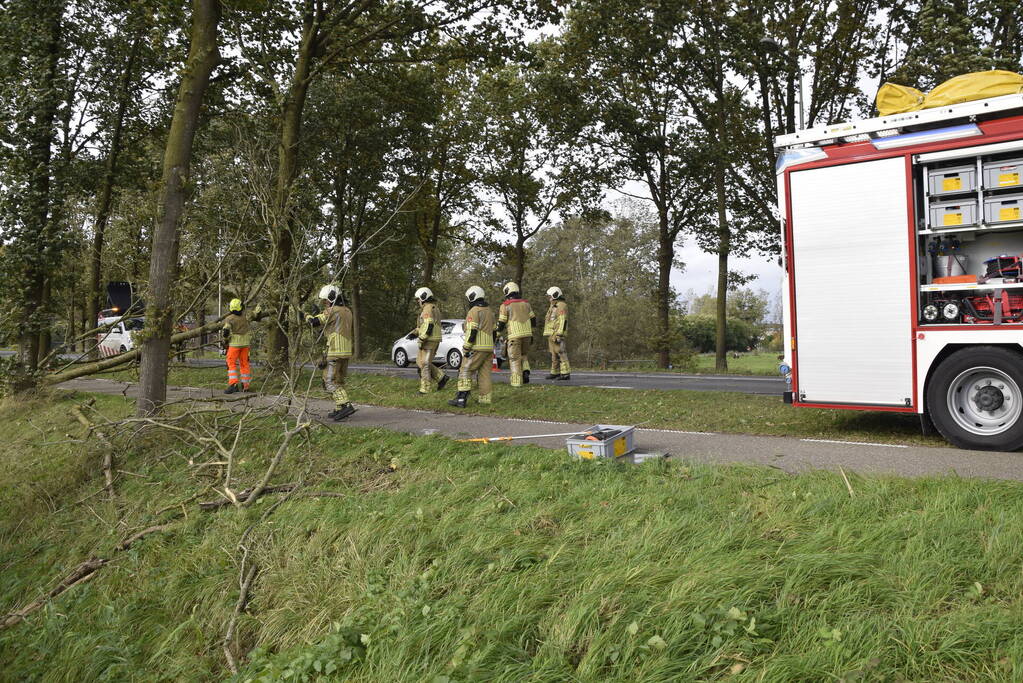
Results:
622 99
203 57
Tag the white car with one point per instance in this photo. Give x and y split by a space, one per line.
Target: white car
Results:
120 338
404 351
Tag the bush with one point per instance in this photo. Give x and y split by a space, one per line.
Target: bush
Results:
700 331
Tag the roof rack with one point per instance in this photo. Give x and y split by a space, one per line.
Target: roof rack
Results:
895 123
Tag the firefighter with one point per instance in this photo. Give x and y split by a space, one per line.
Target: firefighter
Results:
516 321
429 334
237 331
478 349
336 319
555 325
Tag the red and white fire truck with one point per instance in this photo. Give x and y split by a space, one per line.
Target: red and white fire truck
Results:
902 243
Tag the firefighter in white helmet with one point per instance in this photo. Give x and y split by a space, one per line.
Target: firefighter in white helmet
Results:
428 332
478 349
336 320
516 321
555 326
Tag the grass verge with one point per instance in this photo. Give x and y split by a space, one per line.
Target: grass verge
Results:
453 562
689 410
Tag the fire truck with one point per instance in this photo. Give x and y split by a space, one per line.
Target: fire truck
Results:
902 245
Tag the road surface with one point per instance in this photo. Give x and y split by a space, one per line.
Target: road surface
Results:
784 453
609 380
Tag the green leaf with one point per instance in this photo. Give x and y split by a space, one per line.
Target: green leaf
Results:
657 643
735 614
632 628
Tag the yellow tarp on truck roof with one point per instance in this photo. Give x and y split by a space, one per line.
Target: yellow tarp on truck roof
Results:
896 99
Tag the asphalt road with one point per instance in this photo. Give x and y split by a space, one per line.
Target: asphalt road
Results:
783 453
607 380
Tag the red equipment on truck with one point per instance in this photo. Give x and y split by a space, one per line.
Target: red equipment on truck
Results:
902 243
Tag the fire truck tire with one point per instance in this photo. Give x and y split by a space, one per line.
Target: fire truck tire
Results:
975 399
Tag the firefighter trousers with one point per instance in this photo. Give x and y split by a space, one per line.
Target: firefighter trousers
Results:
478 365
238 360
428 372
518 359
334 374
559 356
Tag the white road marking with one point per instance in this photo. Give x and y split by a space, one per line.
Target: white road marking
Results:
602 386
678 431
857 443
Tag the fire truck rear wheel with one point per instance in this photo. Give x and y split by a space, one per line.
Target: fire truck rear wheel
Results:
975 399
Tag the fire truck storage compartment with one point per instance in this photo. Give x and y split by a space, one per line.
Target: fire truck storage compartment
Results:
852 328
1003 174
1003 208
949 180
952 214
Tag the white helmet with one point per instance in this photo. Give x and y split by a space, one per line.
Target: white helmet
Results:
474 293
424 294
555 292
510 287
330 292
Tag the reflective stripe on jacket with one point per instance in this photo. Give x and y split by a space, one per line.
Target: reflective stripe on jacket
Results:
337 326
518 314
240 329
556 322
481 319
429 314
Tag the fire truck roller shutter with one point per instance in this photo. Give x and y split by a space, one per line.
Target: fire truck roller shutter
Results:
851 265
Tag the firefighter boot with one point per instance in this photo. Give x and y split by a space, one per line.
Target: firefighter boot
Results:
343 412
460 400
564 377
442 381
525 376
552 375
232 389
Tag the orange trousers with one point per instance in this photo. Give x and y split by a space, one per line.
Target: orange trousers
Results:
238 358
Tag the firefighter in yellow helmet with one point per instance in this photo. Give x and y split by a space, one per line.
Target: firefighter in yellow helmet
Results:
237 331
429 334
336 319
516 321
478 348
555 325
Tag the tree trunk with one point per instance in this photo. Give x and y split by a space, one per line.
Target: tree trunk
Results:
203 56
46 333
105 199
520 258
287 172
356 306
724 247
37 214
665 257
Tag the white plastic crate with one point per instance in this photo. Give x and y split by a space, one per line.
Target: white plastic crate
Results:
949 180
1003 174
617 443
953 214
1003 209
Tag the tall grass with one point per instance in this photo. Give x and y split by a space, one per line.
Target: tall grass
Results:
451 562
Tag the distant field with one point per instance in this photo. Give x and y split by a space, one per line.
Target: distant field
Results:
440 561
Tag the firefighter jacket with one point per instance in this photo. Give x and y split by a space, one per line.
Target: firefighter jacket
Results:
239 328
337 327
479 329
429 323
556 322
518 315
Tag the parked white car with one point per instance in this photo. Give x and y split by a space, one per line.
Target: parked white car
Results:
404 350
121 336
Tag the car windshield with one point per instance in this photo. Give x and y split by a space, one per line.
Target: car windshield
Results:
133 324
447 328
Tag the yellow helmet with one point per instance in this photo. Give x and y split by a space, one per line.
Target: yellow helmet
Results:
235 306
510 288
